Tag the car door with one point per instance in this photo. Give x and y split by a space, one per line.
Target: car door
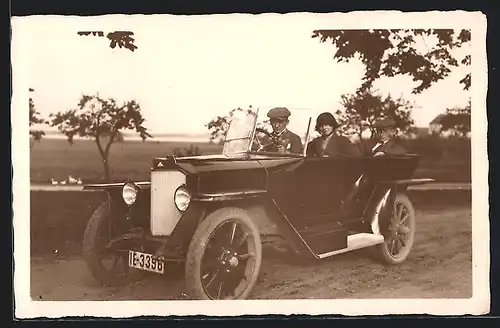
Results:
325 182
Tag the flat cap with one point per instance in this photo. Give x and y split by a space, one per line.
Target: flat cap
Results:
384 123
279 112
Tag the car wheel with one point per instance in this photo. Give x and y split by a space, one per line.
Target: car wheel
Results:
107 266
400 234
224 257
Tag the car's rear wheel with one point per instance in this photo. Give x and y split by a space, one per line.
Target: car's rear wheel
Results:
224 257
108 266
400 234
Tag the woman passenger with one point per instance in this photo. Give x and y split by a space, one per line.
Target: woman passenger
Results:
330 144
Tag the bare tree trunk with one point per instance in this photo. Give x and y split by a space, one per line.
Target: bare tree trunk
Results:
107 174
104 158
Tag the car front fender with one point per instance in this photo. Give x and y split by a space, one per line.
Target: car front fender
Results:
403 184
119 209
178 241
381 205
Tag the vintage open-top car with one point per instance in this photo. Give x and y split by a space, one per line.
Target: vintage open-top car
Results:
213 213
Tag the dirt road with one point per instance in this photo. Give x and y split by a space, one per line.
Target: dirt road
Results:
439 267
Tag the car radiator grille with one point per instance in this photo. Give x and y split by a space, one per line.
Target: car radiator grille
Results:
164 213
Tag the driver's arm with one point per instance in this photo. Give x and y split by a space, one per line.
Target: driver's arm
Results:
255 145
264 141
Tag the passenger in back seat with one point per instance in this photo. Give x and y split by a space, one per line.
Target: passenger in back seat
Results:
387 144
330 144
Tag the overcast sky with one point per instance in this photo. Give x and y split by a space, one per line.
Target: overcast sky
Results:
186 69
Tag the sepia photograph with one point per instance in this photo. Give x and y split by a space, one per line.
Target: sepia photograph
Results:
295 163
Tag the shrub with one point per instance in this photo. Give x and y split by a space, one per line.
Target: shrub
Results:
191 151
437 148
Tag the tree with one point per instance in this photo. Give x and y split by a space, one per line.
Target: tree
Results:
35 118
362 109
122 39
101 119
457 120
394 52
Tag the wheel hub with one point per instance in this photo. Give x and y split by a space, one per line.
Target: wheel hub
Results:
398 229
229 259
233 261
403 229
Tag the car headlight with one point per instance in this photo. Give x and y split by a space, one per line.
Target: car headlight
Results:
182 197
129 193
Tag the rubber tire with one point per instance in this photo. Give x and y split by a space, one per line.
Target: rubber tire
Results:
381 250
91 256
198 244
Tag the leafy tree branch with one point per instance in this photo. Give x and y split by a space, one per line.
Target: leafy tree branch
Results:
362 109
395 52
122 39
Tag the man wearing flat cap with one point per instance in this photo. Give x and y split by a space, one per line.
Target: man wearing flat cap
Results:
386 144
285 141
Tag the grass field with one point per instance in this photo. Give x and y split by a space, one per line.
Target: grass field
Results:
56 158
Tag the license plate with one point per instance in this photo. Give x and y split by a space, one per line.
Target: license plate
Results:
144 261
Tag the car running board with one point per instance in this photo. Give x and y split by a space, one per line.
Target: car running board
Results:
356 241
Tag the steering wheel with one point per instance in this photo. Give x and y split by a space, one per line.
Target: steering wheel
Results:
261 147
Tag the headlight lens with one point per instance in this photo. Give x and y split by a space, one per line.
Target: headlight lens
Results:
182 197
129 193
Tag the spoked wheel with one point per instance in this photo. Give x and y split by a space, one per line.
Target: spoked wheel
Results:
400 234
109 267
224 257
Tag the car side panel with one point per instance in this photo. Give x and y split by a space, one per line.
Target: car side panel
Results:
283 185
325 185
390 168
318 190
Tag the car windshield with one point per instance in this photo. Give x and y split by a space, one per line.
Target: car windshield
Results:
250 130
240 131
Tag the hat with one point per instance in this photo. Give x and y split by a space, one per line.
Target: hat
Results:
326 119
384 123
279 112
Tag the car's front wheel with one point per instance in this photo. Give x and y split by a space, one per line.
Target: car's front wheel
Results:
109 267
224 257
400 234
